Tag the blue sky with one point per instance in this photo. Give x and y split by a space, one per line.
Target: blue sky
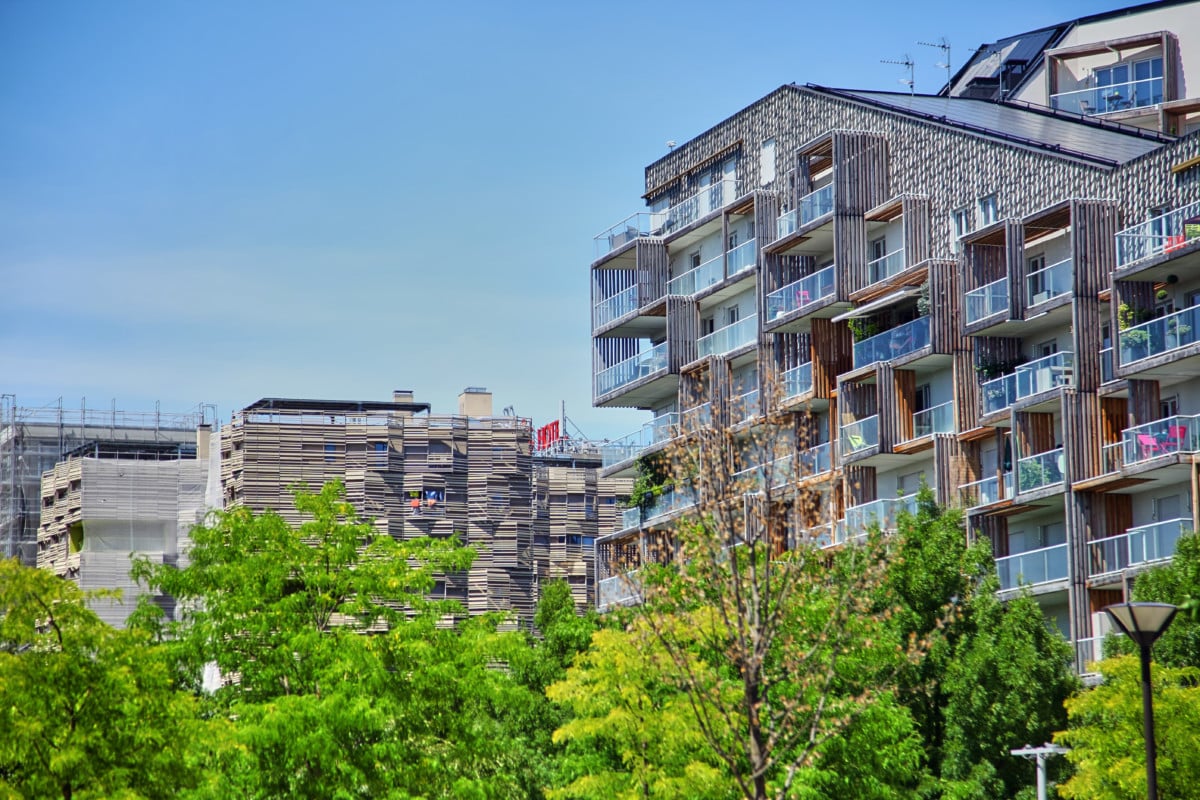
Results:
212 202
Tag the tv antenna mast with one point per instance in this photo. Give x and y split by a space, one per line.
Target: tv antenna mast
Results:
942 44
910 81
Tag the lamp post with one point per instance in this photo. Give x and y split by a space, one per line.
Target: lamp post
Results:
1144 623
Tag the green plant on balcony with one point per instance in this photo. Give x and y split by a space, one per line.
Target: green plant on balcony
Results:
862 328
923 304
653 479
1033 475
990 369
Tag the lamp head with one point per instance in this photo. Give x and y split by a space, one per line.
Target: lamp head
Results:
1142 622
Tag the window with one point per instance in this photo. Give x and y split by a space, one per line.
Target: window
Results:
877 249
766 162
1037 278
1193 299
1047 348
733 240
732 314
707 326
330 450
922 398
1168 406
989 210
694 259
910 483
961 221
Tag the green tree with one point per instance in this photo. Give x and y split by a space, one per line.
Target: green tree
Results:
1178 583
88 711
1105 734
348 681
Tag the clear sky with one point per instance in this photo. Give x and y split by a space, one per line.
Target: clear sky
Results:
219 201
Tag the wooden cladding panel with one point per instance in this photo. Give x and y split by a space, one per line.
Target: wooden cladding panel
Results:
886 407
983 264
899 403
1114 416
1014 246
652 270
918 234
1144 402
683 328
966 385
1034 433
944 307
860 172
952 467
1093 231
849 255
1081 432
859 485
832 352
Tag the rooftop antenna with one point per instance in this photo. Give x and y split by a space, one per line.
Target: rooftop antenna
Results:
910 81
942 44
671 145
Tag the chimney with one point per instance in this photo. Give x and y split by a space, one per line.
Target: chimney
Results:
203 437
402 396
475 401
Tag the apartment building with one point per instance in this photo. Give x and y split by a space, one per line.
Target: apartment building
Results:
416 473
990 298
106 500
34 439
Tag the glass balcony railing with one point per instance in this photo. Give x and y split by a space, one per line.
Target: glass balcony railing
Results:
1049 282
1045 374
631 518
859 435
660 223
798 381
1040 471
1160 335
744 406
618 590
939 419
671 500
662 428
1161 437
899 341
693 419
743 257
1033 567
729 338
1108 99
987 300
622 303
644 364
1156 236
801 293
1106 365
815 460
998 393
1141 545
812 206
987 491
709 273
882 513
779 472
643 223
886 266
1110 457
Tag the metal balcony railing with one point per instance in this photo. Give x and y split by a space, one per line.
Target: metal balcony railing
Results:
743 257
815 460
1039 471
882 513
660 223
1033 567
886 266
939 419
998 393
987 491
1044 374
660 429
1177 434
745 406
708 274
1108 99
801 293
798 380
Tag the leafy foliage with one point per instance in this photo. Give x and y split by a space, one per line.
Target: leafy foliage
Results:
1106 739
1178 583
88 711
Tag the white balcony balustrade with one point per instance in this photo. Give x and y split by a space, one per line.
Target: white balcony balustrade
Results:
798 381
1113 97
987 491
1040 471
1159 336
642 365
1049 282
812 206
987 300
883 514
939 419
1145 544
662 428
884 267
725 340
799 294
611 308
1156 236
1033 567
1162 437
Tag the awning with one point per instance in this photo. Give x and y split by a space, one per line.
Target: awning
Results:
875 305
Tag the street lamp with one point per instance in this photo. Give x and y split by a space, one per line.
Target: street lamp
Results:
1144 623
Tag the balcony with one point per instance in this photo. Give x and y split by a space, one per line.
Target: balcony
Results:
743 257
812 206
697 417
1049 282
615 307
710 273
799 294
779 472
1044 374
732 337
1162 437
798 381
660 429
814 461
882 513
1041 471
895 343
662 223
670 501
631 518
939 419
1112 98
987 491
885 267
1110 457
1159 336
987 300
998 393
1033 567
632 369
1156 236
617 590
1106 365
744 407
1137 546
860 435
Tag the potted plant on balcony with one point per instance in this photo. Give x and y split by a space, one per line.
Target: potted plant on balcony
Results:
1032 475
862 328
1134 341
